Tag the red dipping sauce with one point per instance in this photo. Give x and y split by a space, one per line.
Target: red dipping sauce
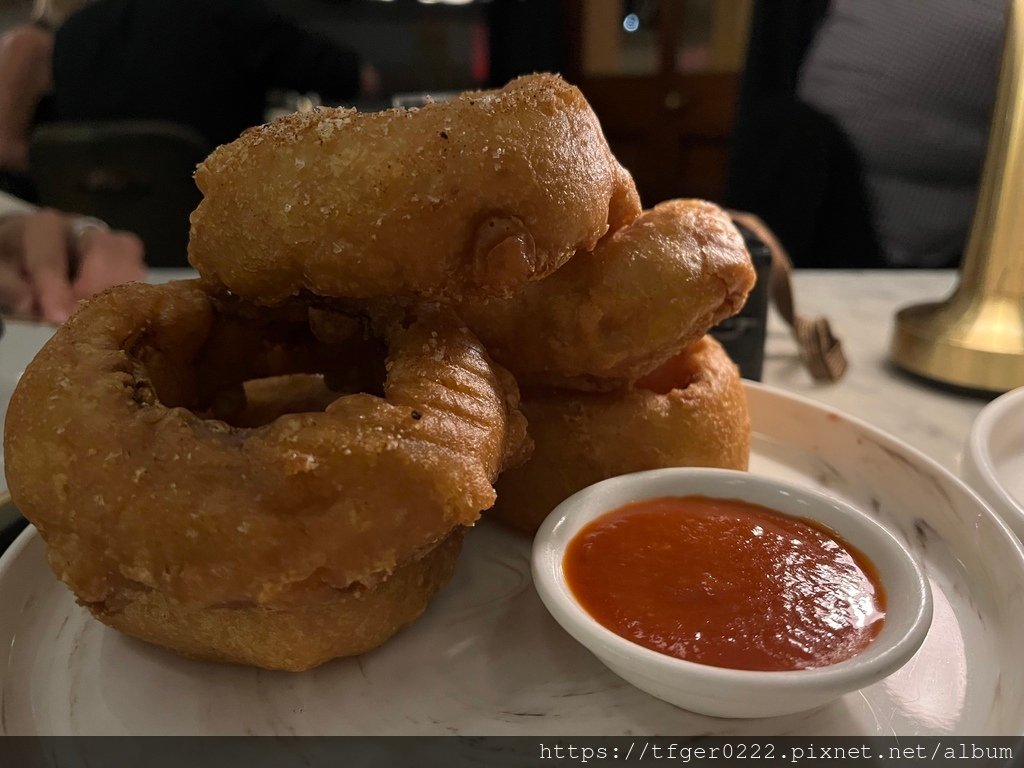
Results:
726 583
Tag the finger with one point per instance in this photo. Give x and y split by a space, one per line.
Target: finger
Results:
46 264
12 228
109 258
15 292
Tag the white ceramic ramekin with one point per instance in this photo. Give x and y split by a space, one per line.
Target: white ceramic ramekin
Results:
732 692
993 462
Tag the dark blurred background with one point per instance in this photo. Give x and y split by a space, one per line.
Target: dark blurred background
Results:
855 128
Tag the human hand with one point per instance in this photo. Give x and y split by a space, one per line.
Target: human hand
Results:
45 270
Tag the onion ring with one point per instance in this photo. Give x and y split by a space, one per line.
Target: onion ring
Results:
357 620
133 489
691 412
476 195
608 317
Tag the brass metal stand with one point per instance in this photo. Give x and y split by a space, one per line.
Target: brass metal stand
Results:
975 338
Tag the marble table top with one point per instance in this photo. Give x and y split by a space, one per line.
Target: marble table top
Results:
861 307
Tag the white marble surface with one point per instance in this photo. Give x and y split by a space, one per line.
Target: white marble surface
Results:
861 307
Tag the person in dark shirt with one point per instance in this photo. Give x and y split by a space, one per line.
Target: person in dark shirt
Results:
862 125
912 86
207 64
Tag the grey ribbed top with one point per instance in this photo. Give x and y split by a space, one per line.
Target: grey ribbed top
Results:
912 83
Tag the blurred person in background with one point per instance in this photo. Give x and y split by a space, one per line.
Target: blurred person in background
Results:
26 83
49 260
207 64
862 127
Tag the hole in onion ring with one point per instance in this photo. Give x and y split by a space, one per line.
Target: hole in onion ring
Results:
246 371
677 372
264 400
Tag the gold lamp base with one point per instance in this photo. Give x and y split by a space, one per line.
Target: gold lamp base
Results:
975 338
973 343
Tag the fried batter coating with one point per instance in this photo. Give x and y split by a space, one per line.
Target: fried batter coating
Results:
608 317
133 489
357 620
691 412
476 195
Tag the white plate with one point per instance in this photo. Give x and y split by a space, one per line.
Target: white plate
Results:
488 659
993 461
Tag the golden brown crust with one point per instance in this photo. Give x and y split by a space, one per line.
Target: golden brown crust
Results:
479 194
357 620
581 438
132 489
608 317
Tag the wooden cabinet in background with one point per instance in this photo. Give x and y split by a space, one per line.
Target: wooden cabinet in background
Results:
663 77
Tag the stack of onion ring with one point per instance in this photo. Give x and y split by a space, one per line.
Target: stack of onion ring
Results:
275 465
277 545
617 373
